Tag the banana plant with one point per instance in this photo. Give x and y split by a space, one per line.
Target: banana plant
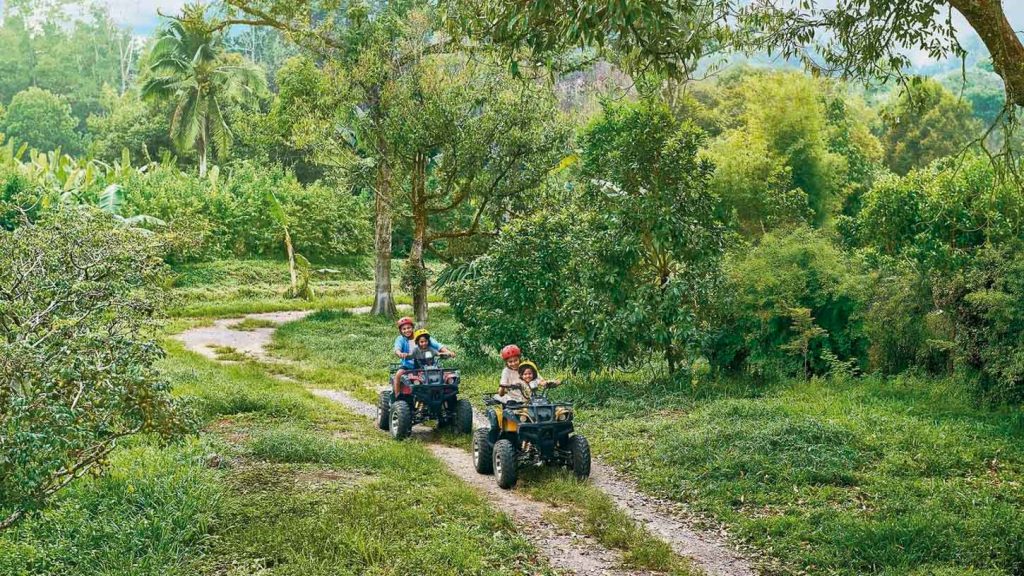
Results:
111 201
298 265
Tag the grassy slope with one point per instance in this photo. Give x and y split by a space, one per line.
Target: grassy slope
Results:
233 287
298 486
897 476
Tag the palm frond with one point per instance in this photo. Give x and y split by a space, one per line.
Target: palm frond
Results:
187 121
220 132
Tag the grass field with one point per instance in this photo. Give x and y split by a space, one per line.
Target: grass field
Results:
233 287
278 483
845 476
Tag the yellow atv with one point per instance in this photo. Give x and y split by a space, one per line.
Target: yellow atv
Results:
535 432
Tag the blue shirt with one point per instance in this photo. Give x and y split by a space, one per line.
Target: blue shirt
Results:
406 345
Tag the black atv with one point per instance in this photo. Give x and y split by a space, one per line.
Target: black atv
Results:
535 432
428 393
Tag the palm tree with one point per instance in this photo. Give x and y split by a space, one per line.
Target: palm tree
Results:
190 68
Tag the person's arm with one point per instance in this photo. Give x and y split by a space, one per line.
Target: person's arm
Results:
398 349
441 347
503 384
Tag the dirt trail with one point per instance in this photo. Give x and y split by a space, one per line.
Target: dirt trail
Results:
204 340
574 553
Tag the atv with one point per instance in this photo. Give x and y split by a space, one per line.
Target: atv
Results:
535 432
429 393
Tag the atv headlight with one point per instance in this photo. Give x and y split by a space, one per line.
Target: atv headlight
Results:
563 414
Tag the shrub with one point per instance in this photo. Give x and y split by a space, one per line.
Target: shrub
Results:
990 322
76 354
777 298
229 215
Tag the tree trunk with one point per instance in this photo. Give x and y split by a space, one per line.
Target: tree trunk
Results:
291 263
989 20
202 150
419 235
383 302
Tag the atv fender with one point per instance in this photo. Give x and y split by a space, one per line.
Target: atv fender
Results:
492 419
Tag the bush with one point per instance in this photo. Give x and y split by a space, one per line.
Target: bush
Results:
778 298
229 215
902 324
517 290
19 199
76 356
990 322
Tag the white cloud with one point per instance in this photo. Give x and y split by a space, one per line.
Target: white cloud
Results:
141 15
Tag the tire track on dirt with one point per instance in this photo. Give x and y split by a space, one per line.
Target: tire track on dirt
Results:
579 554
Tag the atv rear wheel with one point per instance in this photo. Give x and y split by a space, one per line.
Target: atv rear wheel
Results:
464 417
401 420
505 471
384 410
580 449
483 451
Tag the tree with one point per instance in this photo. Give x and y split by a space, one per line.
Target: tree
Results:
16 59
858 38
189 68
127 123
43 120
71 53
471 141
806 332
375 53
624 266
926 122
77 360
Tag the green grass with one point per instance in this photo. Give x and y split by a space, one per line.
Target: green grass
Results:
149 516
868 476
352 352
585 508
230 354
228 288
873 476
279 482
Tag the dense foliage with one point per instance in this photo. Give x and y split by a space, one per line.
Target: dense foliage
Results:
76 352
621 272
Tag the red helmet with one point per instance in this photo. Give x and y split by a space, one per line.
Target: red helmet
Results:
403 321
510 351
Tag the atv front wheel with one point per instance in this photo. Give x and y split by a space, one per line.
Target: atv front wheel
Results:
580 449
505 471
401 420
483 451
464 417
384 410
